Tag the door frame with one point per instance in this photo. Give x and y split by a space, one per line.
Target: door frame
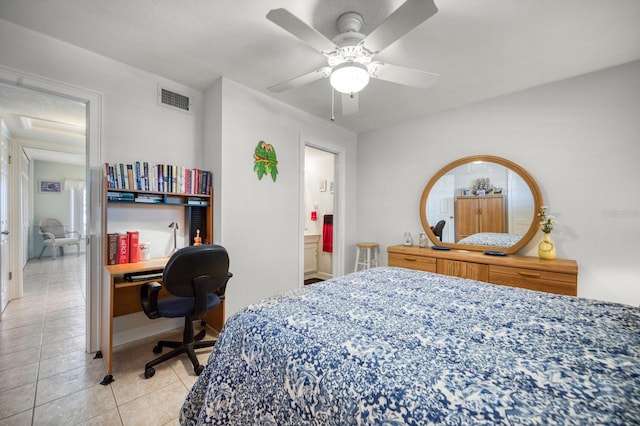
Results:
93 101
339 214
5 242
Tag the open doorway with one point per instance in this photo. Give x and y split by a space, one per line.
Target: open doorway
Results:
61 148
319 209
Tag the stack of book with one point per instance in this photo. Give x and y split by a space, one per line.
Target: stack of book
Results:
149 198
140 176
123 248
196 201
120 196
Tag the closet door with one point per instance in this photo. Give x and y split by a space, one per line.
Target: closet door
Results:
491 214
466 217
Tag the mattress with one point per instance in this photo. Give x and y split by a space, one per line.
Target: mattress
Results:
401 347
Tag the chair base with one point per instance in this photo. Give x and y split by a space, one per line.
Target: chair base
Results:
188 346
56 248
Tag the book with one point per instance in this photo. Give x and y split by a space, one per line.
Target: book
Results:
133 238
122 177
174 178
130 178
112 249
107 172
165 178
145 180
123 249
137 176
114 177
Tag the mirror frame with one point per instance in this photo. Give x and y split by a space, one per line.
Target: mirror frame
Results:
535 192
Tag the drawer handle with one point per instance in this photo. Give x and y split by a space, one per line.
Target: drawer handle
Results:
530 274
410 259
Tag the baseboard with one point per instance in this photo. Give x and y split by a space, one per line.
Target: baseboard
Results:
323 276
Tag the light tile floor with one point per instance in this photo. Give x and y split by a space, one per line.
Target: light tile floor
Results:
47 378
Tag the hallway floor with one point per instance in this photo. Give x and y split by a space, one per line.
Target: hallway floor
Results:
49 379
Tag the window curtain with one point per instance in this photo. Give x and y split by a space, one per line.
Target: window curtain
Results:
77 205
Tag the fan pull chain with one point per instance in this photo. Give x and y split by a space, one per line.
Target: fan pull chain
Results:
333 117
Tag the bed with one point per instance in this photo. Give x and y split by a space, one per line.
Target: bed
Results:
494 239
396 346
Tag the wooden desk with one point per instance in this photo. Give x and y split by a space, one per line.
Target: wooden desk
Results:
127 297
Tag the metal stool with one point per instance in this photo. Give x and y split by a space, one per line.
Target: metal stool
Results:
370 255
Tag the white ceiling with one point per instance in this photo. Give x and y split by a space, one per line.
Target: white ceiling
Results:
481 48
53 126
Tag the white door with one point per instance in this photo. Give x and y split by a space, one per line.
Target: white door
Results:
25 209
440 206
4 216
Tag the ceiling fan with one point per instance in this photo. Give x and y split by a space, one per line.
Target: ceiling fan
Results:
350 54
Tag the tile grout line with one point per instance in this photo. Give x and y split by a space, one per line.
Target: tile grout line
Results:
44 318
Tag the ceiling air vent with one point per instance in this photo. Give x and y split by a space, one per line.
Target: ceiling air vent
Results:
173 99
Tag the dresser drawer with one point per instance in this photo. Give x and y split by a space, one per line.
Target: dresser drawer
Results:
456 268
534 279
412 262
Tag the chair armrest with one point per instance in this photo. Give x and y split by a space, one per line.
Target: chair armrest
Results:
149 298
77 234
48 236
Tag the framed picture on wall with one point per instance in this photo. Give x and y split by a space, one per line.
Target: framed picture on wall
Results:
50 186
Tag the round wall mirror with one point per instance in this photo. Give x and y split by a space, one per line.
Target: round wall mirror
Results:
481 203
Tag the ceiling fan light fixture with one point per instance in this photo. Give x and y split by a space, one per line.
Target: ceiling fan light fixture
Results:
349 77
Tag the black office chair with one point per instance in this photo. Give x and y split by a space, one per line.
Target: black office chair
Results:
196 277
437 230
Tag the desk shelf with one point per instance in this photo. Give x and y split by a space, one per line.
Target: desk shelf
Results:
198 209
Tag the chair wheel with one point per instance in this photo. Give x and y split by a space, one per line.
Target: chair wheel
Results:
198 369
149 372
157 349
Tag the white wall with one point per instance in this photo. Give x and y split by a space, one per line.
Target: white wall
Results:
133 126
260 221
579 138
55 205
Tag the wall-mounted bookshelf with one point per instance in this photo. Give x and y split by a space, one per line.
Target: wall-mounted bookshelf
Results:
198 205
160 178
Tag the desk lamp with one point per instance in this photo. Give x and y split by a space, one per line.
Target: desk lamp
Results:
174 225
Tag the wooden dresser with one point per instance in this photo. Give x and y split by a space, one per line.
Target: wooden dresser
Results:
558 276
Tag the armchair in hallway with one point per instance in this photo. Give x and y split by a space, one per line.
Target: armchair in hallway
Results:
55 236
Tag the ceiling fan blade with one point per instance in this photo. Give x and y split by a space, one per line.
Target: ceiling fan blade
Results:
300 29
405 18
350 104
307 78
401 75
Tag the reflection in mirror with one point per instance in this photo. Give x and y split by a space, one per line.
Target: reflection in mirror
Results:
485 202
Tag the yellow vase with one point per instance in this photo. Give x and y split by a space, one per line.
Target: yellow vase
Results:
546 248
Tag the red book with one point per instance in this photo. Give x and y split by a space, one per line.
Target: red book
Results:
123 252
133 239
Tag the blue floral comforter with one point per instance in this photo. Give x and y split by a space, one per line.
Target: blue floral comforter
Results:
399 347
